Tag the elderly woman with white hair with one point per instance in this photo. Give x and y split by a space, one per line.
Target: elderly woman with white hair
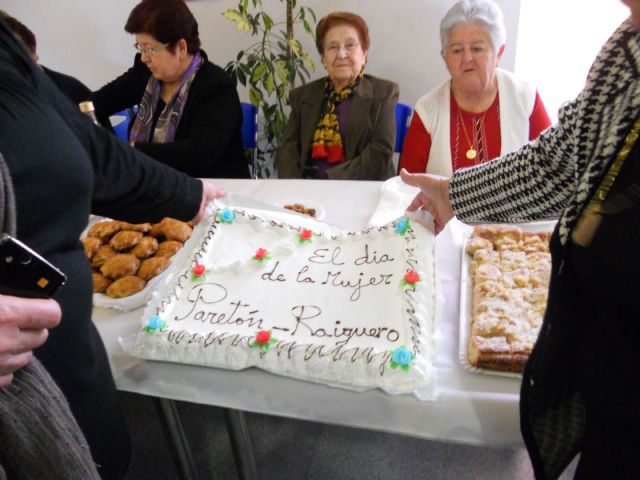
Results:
483 111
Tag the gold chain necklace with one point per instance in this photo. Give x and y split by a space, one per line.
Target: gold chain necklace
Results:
591 216
472 152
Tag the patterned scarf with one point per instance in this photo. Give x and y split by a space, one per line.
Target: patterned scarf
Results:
327 142
168 120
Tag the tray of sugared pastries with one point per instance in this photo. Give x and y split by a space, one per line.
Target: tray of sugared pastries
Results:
125 257
504 284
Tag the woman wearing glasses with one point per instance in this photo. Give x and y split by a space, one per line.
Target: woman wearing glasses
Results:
341 126
189 114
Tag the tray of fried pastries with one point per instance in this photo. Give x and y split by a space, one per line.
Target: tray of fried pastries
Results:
128 260
505 271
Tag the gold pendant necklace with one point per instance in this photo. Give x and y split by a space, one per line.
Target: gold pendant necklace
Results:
472 153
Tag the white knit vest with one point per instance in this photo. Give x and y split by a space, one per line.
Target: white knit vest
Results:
517 99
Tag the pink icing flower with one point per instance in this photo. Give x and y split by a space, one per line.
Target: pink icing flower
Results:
199 269
263 337
261 253
411 277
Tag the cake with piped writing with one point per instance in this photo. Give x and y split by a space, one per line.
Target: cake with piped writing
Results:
357 310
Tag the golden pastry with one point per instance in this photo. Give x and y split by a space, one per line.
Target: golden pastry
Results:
510 274
156 230
151 267
146 247
91 246
168 248
125 239
299 208
105 230
173 229
139 227
125 286
100 282
120 265
104 253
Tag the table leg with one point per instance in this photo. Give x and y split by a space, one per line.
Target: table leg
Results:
176 438
241 444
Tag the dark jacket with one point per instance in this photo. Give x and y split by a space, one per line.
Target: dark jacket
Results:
72 87
64 168
208 142
370 135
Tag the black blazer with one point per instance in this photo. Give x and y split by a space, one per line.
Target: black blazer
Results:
208 142
370 135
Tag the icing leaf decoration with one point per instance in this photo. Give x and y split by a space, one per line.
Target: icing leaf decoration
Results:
402 357
154 324
226 215
305 235
263 340
410 278
261 255
199 272
403 225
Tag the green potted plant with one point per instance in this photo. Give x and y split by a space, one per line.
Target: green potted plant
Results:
270 67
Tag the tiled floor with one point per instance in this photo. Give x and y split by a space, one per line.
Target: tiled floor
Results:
293 449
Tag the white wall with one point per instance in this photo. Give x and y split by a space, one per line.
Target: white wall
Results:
86 38
556 51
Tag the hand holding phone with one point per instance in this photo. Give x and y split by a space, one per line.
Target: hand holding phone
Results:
25 273
24 326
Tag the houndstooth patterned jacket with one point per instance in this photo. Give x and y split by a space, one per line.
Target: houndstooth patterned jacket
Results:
554 176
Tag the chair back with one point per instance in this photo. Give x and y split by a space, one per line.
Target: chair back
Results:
120 122
250 135
403 113
249 125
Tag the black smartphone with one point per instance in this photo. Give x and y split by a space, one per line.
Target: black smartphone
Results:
24 273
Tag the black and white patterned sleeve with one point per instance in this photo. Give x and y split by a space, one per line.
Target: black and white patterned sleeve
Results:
533 183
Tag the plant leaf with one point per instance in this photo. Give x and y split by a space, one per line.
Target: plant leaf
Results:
282 70
242 22
242 78
269 83
259 72
307 27
255 96
295 46
268 23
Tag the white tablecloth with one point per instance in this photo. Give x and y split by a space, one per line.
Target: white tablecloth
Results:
470 407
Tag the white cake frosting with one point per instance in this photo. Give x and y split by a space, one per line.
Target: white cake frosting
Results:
336 305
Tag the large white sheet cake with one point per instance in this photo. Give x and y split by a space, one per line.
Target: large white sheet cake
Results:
357 310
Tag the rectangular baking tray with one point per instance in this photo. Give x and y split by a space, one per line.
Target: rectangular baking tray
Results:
465 301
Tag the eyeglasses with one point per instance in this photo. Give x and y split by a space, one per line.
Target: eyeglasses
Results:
149 50
334 48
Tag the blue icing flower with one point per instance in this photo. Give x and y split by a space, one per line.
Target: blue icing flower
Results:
402 225
401 357
227 215
154 324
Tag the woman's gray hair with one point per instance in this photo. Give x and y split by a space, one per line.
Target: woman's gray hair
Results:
466 12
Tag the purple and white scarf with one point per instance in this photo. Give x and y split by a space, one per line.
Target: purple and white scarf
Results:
168 120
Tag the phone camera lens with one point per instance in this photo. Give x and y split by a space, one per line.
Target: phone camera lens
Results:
25 259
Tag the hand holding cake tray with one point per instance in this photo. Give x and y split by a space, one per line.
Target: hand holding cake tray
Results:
357 310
